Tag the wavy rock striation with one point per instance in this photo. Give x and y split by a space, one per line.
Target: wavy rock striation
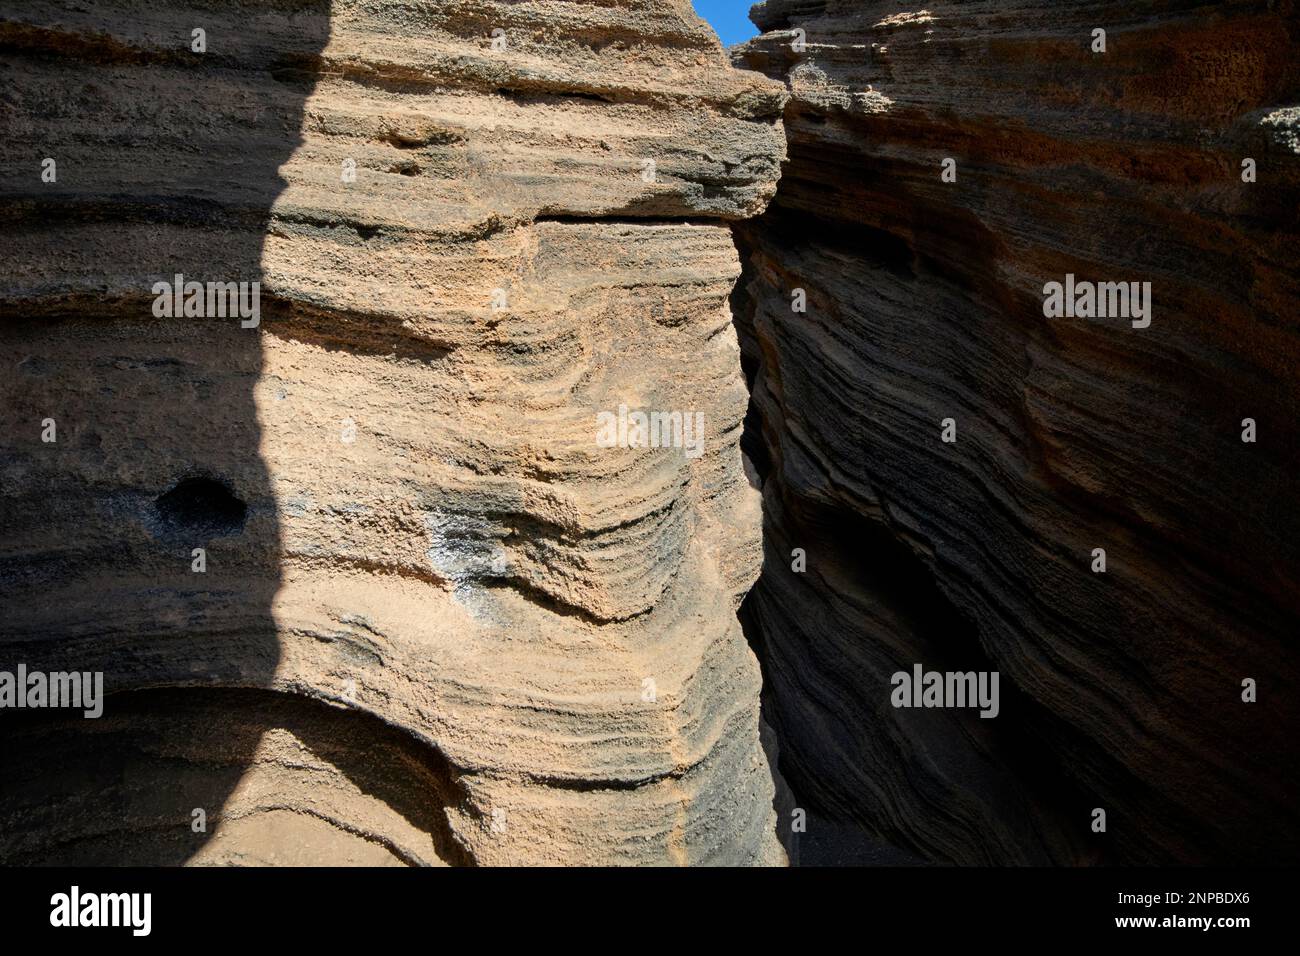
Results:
1122 690
437 621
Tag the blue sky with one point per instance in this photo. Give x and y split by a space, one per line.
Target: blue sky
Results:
729 17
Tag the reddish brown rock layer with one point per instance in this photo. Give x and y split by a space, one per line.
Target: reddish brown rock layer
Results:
1121 690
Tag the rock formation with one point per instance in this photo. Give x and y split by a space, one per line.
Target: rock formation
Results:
373 421
1123 690
363 583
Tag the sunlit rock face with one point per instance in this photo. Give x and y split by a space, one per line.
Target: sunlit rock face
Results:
365 579
1121 690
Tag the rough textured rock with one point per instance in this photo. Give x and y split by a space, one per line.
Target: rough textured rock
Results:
1120 690
438 622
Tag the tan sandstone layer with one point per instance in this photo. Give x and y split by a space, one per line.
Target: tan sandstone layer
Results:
438 622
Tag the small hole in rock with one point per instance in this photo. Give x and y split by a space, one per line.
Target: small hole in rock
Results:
202 506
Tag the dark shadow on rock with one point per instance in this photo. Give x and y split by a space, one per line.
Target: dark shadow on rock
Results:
866 783
302 782
166 163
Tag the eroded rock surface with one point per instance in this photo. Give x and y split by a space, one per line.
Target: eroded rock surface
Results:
1120 690
438 622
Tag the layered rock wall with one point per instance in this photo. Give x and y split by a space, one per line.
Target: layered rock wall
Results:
437 619
1122 690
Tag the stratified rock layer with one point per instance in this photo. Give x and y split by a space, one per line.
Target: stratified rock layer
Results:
438 622
1120 690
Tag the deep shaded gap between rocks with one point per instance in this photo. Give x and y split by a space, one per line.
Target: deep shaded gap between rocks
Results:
842 827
